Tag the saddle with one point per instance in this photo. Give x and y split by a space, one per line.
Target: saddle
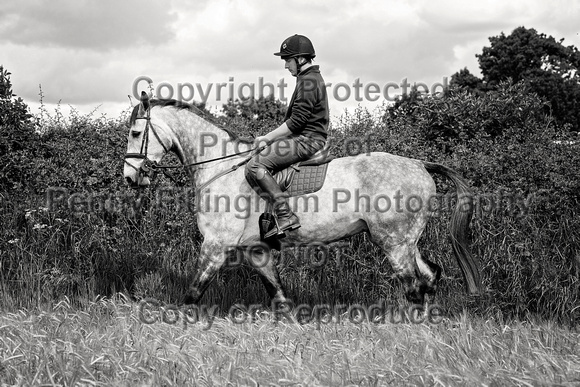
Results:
306 176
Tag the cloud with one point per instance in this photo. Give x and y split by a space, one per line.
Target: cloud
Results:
93 25
85 52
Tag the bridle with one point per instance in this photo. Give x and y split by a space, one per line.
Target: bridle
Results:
147 165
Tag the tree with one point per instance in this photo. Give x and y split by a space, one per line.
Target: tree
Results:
547 67
525 54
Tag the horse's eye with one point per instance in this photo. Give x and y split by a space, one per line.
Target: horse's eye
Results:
135 134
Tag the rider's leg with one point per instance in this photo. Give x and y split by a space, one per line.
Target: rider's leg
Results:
287 220
280 155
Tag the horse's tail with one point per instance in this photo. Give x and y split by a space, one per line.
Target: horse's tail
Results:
459 226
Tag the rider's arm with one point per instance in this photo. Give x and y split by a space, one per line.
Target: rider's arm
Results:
304 100
279 132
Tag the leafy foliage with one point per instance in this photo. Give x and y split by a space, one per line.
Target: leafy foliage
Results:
18 140
464 79
525 54
460 117
503 136
545 65
250 116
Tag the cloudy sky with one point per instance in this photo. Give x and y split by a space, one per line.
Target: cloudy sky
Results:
89 54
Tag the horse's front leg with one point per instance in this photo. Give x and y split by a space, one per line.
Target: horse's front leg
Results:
260 257
211 259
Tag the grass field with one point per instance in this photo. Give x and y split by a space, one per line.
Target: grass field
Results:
108 342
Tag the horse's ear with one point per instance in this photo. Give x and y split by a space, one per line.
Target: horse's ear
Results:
144 105
145 100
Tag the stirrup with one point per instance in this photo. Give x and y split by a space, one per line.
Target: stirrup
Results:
276 231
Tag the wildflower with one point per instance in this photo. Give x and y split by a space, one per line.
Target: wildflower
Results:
12 241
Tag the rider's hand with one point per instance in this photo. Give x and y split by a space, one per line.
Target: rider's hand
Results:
261 141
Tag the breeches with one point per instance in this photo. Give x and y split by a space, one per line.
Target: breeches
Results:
281 154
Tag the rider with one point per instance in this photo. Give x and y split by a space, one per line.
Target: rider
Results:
302 134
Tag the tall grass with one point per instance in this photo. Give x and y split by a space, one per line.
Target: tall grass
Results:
105 342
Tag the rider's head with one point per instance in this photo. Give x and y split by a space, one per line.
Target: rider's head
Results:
297 51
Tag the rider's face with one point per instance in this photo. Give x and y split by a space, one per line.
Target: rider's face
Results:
291 66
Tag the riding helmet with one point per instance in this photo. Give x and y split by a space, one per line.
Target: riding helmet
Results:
296 45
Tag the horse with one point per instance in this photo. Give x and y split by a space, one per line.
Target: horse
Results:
210 152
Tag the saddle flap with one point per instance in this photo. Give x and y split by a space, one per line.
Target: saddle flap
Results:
306 176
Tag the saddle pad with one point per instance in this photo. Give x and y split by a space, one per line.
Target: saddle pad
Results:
307 179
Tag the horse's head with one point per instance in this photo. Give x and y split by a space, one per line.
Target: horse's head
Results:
143 150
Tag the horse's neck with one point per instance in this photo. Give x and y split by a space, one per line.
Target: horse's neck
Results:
200 141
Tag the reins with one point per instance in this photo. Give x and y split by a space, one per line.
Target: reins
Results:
148 164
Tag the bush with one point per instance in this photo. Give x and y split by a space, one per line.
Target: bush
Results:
18 139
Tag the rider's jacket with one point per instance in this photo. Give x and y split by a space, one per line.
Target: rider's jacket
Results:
308 113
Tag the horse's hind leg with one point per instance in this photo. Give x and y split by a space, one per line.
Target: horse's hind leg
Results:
418 276
429 274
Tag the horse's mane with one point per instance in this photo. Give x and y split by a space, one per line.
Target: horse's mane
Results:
192 108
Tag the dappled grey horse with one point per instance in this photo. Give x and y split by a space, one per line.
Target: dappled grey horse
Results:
387 196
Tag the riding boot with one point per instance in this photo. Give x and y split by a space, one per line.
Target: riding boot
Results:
286 219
